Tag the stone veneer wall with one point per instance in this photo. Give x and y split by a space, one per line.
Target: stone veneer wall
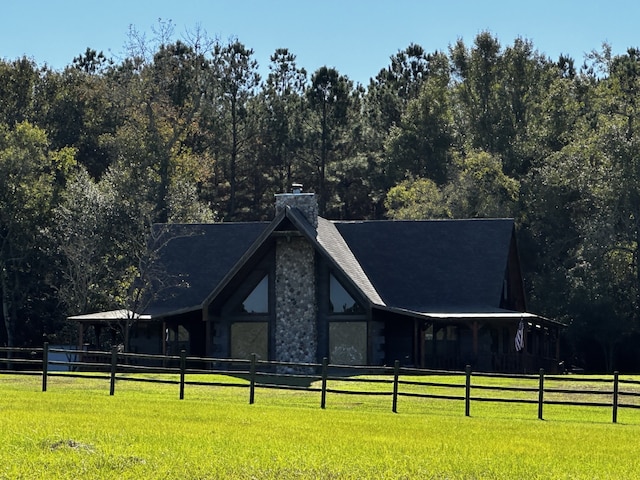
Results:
296 337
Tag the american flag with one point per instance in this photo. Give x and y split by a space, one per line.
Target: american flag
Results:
520 337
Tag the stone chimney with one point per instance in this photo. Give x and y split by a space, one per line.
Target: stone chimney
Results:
305 202
296 334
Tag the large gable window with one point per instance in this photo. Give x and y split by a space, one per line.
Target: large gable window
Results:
341 301
249 330
258 300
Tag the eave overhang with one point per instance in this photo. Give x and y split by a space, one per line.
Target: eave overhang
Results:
473 314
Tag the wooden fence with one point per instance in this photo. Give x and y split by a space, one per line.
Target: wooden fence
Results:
615 393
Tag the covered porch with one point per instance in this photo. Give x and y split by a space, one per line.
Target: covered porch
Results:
141 333
484 340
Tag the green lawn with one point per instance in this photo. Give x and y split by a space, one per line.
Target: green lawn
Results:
76 430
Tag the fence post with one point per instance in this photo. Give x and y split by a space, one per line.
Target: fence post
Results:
615 396
467 391
183 367
396 374
323 395
541 394
252 379
114 364
45 365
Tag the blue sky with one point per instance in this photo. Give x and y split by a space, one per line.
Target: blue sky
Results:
355 36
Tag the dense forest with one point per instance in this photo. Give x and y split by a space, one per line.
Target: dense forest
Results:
187 131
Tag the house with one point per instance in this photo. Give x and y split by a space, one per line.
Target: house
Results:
432 293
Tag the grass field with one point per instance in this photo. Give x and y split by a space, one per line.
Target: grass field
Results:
76 430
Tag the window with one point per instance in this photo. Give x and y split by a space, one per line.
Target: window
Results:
341 301
248 338
258 300
179 335
348 343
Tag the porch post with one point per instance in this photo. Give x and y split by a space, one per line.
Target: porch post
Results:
80 335
98 331
416 335
163 335
423 329
208 348
474 328
434 349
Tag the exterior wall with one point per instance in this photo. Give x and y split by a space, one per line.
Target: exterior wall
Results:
398 339
296 337
146 337
377 343
219 333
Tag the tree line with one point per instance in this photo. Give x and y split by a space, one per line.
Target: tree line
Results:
187 131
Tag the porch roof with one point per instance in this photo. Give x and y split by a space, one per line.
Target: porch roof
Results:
110 315
475 314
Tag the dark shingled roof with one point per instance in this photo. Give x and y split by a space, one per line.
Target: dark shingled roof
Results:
200 256
421 266
433 265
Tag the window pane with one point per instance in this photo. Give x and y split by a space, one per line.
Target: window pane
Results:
248 338
341 301
258 300
348 343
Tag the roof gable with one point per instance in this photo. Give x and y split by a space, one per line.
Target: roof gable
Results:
325 239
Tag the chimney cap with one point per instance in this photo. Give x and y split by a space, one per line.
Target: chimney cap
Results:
296 188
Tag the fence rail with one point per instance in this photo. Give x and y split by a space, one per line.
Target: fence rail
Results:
615 393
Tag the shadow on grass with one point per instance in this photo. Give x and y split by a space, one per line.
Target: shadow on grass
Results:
285 380
303 378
